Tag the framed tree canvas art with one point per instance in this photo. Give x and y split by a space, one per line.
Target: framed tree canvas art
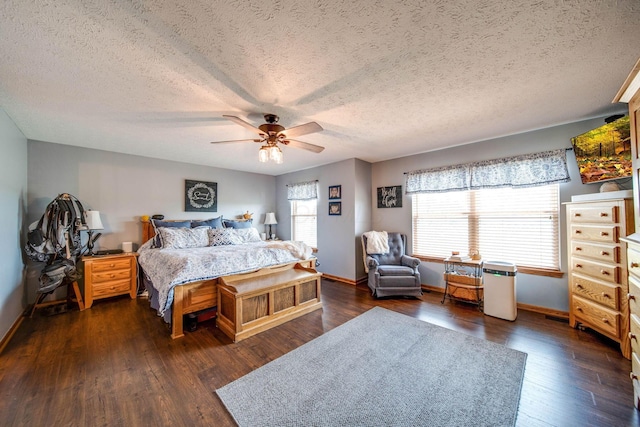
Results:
200 196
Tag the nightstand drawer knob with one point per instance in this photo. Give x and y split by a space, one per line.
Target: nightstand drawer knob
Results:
633 376
605 295
631 297
578 265
578 231
604 214
632 336
576 214
605 320
578 249
579 286
604 272
604 253
634 265
604 233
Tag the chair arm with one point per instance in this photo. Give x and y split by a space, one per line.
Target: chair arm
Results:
410 261
372 262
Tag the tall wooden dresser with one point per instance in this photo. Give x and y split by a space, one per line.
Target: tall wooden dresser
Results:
630 93
598 265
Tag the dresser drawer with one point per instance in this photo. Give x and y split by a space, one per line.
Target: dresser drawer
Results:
117 287
595 290
635 379
599 317
600 252
607 272
634 334
634 295
598 214
595 233
111 264
633 261
110 275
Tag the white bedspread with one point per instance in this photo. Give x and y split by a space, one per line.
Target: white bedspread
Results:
168 268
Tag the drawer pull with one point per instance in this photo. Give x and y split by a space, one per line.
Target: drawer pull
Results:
604 272
578 265
633 376
578 308
605 320
604 253
604 233
605 295
604 214
578 249
579 286
578 231
577 214
632 336
634 265
631 297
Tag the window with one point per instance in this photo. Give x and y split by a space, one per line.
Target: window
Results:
304 221
518 225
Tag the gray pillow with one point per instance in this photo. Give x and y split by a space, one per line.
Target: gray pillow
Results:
212 223
230 223
157 241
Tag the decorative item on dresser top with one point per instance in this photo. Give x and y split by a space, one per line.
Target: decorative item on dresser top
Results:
598 263
108 276
630 93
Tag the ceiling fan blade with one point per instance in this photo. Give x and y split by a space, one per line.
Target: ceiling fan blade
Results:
236 140
303 145
241 122
304 129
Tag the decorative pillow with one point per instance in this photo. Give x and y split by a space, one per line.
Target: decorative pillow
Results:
183 238
221 237
212 223
157 241
230 223
248 235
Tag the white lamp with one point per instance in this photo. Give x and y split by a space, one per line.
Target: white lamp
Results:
270 219
93 223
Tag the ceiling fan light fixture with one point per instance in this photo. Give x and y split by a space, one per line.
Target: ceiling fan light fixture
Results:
263 154
279 157
273 152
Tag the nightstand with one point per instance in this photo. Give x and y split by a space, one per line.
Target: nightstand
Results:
108 276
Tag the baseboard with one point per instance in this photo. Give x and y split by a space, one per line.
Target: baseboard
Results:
339 279
526 307
12 330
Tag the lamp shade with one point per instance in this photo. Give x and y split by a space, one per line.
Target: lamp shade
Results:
270 218
93 220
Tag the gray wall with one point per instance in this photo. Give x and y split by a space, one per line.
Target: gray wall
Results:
336 233
124 187
13 192
535 290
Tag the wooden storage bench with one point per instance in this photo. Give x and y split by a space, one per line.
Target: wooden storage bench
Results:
251 303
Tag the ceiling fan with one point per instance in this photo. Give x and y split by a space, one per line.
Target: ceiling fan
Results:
272 134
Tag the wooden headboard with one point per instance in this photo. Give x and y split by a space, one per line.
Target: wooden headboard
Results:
147 231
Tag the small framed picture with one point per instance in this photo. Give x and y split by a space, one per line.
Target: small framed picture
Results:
390 197
335 192
335 208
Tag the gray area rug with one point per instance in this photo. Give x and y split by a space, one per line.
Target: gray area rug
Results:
383 369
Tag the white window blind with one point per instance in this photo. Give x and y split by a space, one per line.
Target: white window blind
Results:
519 225
304 221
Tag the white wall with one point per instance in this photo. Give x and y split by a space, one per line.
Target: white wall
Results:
124 187
13 191
534 290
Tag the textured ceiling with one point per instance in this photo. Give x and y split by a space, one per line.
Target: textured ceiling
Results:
385 79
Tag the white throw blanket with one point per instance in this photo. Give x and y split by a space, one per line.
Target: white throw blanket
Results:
377 242
298 249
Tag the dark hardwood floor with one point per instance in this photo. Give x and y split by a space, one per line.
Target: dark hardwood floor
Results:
115 364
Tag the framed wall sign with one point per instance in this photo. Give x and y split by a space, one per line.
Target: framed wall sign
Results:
200 196
335 192
390 197
335 208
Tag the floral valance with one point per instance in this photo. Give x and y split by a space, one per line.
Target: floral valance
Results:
303 191
527 170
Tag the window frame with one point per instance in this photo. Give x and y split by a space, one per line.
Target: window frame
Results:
295 216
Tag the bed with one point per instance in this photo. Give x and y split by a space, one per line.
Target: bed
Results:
181 275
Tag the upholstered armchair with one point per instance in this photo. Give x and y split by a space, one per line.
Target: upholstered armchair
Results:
393 273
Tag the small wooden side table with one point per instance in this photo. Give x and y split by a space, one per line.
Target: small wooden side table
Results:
106 276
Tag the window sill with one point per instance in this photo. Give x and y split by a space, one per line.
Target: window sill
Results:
523 270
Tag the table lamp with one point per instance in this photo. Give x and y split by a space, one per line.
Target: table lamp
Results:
270 220
93 223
